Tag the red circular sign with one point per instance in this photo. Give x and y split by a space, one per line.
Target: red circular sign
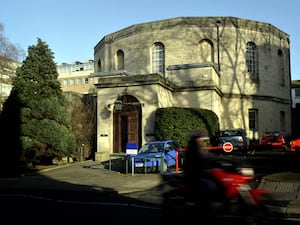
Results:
227 147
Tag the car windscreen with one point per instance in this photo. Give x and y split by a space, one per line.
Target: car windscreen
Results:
152 148
272 133
229 133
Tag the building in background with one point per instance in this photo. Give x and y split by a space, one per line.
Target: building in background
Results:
7 72
295 91
74 77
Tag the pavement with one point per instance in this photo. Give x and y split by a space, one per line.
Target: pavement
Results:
284 188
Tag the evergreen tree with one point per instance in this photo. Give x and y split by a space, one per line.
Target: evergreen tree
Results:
35 114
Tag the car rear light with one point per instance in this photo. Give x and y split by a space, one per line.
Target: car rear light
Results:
241 140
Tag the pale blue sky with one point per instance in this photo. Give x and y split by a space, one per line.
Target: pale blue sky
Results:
72 28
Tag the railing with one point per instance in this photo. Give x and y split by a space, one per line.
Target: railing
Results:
118 155
131 158
151 158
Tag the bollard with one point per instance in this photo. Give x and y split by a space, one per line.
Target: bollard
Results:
161 163
176 162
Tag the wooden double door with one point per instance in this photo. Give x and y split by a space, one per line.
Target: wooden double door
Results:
126 129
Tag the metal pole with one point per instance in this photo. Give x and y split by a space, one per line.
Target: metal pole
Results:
161 163
132 166
218 22
109 165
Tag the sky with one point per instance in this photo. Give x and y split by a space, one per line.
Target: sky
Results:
72 28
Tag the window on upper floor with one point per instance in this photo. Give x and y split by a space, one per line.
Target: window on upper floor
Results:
78 81
253 119
206 53
251 60
120 60
158 58
297 92
99 66
282 121
86 80
72 82
65 83
280 64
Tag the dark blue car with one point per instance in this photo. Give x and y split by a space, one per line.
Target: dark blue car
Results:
156 156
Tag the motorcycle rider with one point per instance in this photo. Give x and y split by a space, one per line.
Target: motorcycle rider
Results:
197 161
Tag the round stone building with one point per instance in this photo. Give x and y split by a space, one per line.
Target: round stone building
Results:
237 68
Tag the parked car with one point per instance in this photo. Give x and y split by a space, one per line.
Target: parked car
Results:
157 156
273 140
295 145
237 137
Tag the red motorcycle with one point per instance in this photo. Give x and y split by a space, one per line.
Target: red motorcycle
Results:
235 195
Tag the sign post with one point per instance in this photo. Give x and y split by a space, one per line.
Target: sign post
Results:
131 150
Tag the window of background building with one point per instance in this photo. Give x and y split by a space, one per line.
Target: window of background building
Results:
251 57
78 81
158 58
65 83
253 119
89 65
63 68
86 80
72 82
77 66
297 91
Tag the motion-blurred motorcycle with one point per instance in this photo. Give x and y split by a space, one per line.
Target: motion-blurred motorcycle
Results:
235 195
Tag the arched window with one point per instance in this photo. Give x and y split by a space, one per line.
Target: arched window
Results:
251 60
158 58
280 63
206 51
120 60
99 66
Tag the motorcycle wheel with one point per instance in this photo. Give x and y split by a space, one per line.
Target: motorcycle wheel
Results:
175 209
251 215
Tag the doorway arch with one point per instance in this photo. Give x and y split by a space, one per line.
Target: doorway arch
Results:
126 123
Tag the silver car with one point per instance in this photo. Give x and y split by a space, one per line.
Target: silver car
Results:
237 137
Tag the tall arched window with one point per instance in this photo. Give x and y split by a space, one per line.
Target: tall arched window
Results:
251 60
99 66
158 58
120 60
280 63
206 51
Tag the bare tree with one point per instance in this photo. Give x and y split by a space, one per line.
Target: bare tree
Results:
82 110
10 55
8 52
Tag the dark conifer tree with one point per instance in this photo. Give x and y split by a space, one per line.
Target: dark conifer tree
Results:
35 114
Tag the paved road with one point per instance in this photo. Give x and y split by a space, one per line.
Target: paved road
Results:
94 177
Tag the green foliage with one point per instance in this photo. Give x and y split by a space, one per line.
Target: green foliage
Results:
175 123
81 109
36 111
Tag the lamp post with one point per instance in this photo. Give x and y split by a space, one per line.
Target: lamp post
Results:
122 104
118 104
81 152
218 23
